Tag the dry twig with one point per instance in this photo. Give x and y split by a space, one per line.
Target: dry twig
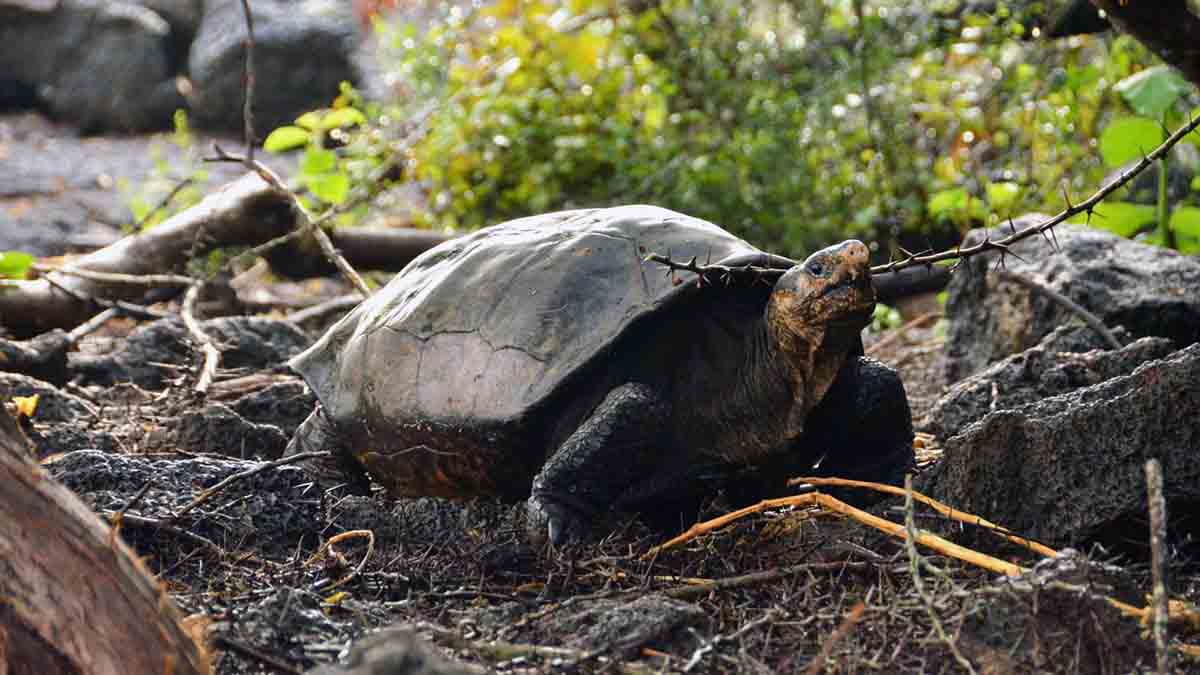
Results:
852 618
945 510
1158 539
1078 310
726 274
340 538
833 505
914 571
212 355
216 489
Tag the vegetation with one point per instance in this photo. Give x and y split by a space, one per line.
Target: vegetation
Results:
790 123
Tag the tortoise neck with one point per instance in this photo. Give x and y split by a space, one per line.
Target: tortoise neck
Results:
772 378
808 361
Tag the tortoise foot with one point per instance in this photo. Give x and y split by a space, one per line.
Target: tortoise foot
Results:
552 521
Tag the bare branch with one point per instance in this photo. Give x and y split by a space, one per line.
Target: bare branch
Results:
710 273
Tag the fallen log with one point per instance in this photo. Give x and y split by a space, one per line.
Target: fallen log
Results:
246 212
73 597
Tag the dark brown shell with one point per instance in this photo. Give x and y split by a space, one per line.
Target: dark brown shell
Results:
484 327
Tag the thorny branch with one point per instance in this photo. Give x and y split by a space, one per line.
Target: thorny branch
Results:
726 274
914 570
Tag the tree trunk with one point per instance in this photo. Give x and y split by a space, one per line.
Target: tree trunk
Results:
1167 27
73 597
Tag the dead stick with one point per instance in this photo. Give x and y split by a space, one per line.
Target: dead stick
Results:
945 510
899 332
833 505
757 578
914 571
248 86
210 492
1158 536
212 355
962 252
370 535
851 619
118 278
1090 319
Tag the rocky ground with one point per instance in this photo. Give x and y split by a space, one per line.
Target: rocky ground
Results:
287 577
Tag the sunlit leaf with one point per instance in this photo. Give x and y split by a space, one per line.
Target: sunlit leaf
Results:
1185 222
26 405
14 264
1120 218
1129 138
1001 196
318 160
343 117
948 202
332 188
310 120
1153 91
286 138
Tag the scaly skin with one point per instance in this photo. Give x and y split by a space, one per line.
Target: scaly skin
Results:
638 437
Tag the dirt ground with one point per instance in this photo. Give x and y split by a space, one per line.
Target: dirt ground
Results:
789 590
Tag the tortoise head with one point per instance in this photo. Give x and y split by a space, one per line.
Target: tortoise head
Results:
827 297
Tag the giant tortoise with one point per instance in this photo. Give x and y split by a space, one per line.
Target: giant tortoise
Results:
545 358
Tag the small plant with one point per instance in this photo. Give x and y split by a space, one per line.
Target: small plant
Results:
14 264
1153 95
146 202
325 173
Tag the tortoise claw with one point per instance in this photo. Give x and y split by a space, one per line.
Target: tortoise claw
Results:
550 521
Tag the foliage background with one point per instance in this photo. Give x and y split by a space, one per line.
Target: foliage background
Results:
792 123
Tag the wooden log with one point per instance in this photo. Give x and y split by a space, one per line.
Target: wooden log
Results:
73 597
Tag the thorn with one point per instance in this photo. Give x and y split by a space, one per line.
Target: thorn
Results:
1067 197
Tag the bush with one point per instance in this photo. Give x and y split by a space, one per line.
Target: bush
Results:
792 124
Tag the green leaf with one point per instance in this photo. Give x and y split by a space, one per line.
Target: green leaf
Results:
318 160
286 138
1129 138
14 264
1153 91
310 120
1001 196
946 203
1120 218
343 117
1185 221
332 188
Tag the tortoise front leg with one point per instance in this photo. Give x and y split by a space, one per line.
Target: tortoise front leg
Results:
865 428
616 447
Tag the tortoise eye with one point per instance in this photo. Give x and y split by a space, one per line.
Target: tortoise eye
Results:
816 269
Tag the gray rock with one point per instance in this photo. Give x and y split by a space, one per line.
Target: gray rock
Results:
283 404
146 356
62 422
1149 290
625 626
100 65
1057 618
217 429
1069 469
395 651
302 52
54 405
274 508
1063 361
